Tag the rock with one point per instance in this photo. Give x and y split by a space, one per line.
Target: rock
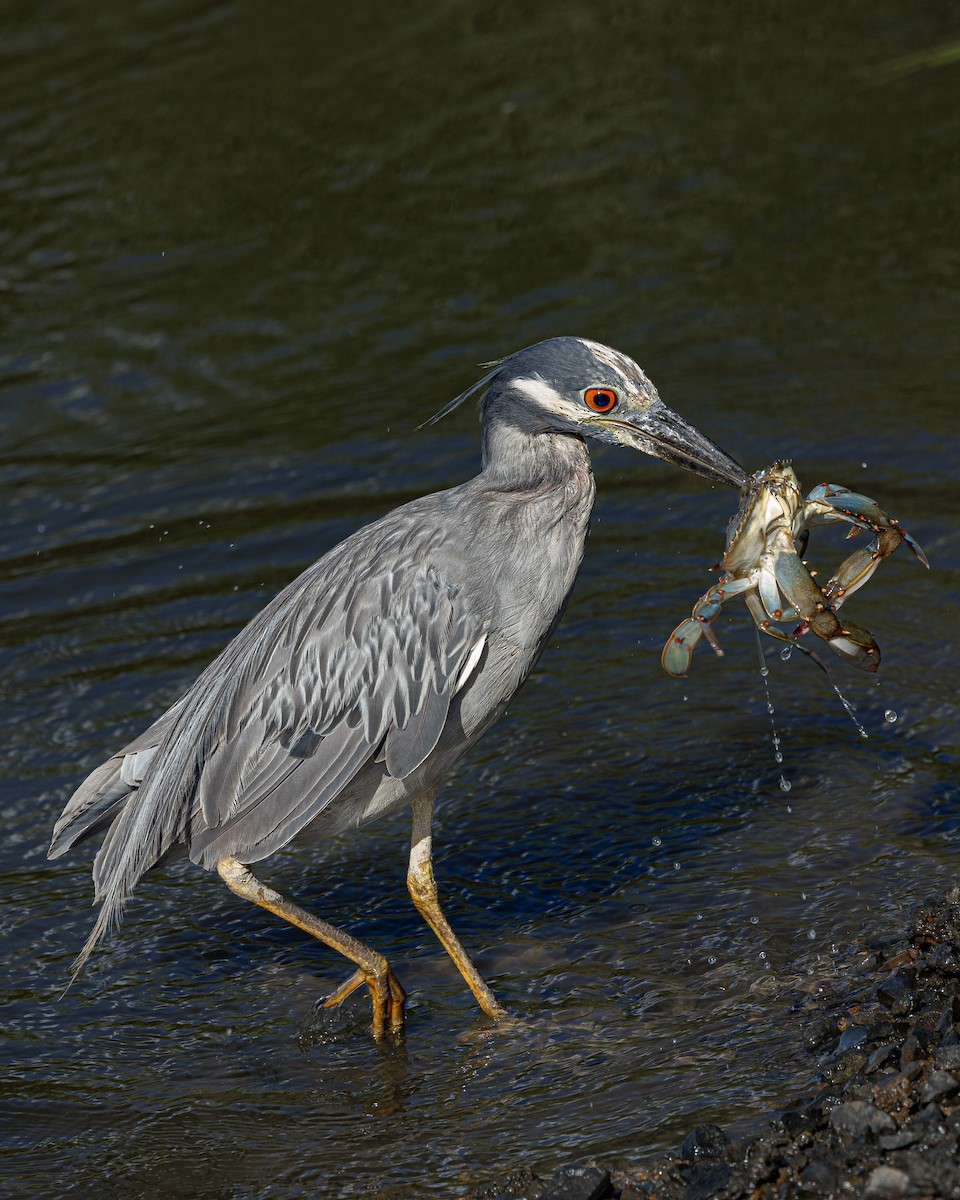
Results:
706 1180
938 1085
847 1067
899 1141
909 1051
930 1114
855 1036
819 1178
948 1058
886 1182
795 1121
820 1031
578 1183
881 1056
860 1119
896 992
894 1096
706 1141
518 1184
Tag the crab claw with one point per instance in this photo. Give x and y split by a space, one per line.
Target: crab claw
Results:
852 642
678 652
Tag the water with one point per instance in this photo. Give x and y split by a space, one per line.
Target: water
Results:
851 712
243 258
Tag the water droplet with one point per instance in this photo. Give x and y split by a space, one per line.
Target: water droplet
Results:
699 916
711 959
786 652
785 784
812 934
658 841
762 954
890 716
770 708
764 671
864 465
754 920
778 757
676 866
851 711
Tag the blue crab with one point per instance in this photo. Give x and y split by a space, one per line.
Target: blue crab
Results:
763 562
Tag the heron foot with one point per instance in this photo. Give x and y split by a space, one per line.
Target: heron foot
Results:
386 996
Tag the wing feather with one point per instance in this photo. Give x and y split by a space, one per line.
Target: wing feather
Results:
355 662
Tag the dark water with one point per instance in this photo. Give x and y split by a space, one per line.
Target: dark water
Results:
245 250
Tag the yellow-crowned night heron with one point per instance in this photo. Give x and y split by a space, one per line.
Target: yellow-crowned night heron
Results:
358 687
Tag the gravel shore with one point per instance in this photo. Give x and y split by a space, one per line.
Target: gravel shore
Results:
883 1123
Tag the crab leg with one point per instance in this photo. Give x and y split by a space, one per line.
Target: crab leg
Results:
762 622
854 571
853 643
680 645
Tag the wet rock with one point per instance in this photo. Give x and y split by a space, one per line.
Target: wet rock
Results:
885 1183
706 1141
821 1031
819 1178
706 1180
859 1119
578 1183
899 1141
937 922
930 1114
910 1051
896 992
948 1058
945 958
796 1121
938 1085
855 1036
847 1067
882 1056
895 1096
518 1184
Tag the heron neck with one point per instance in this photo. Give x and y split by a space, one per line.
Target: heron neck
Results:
517 458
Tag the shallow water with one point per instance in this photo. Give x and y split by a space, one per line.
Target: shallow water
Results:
243 257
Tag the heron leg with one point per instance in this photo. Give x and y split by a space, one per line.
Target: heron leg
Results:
423 892
386 994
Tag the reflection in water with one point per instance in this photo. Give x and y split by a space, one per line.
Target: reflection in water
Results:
242 260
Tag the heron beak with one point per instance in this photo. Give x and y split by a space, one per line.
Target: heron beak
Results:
657 430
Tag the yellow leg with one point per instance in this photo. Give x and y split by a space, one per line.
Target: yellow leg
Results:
423 892
386 994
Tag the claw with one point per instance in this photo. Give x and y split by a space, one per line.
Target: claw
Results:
678 652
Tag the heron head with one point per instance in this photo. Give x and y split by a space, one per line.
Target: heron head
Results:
572 385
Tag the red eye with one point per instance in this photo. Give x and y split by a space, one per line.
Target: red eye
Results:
601 400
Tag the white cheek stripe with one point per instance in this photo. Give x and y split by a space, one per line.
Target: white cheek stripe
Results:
536 389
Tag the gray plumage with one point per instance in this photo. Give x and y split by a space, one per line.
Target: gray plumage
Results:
361 684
